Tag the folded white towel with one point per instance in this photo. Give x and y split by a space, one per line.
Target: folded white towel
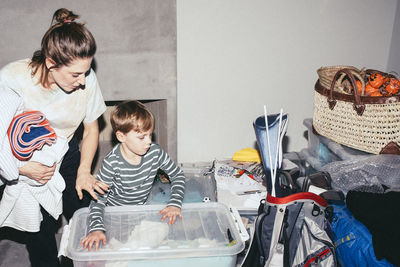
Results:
20 205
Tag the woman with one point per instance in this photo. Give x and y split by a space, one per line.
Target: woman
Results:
59 82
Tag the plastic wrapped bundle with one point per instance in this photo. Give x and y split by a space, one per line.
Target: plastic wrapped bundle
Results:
375 174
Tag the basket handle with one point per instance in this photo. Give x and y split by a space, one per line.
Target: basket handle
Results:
358 106
357 75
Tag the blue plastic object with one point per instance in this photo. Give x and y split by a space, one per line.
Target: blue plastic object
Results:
275 141
353 241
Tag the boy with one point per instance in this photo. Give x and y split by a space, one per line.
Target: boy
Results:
130 168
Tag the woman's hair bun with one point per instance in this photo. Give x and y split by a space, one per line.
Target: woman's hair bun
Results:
63 15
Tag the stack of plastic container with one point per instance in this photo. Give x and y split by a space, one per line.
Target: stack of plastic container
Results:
322 150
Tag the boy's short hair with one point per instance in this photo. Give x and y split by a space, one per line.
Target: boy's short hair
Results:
131 115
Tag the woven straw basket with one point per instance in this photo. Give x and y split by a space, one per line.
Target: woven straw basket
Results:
370 124
327 73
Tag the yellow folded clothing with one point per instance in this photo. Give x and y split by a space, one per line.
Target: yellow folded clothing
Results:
247 154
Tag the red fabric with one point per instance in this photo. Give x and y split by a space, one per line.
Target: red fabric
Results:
298 196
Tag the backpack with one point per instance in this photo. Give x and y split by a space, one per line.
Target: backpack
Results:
292 231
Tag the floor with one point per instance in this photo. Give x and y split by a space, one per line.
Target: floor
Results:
13 251
14 254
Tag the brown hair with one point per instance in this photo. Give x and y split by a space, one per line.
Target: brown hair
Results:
65 41
131 115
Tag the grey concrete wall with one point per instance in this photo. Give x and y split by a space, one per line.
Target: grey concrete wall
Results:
136 57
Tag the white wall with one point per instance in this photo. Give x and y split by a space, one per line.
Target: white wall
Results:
394 55
234 56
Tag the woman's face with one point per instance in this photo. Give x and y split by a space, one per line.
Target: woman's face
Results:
71 77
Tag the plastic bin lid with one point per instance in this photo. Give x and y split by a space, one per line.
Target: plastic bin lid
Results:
136 232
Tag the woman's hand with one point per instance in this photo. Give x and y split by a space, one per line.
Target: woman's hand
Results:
85 181
37 171
171 212
94 238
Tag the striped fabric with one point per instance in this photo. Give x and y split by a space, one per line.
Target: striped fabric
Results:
131 184
28 132
11 105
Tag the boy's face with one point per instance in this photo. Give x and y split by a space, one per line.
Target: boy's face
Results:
137 143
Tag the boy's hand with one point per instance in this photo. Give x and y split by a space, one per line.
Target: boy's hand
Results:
94 238
171 212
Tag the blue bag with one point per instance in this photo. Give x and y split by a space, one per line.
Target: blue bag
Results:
353 241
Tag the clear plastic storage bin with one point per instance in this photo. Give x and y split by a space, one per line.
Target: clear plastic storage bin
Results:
326 150
207 235
200 186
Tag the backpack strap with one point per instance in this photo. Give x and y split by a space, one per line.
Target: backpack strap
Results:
257 236
297 197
